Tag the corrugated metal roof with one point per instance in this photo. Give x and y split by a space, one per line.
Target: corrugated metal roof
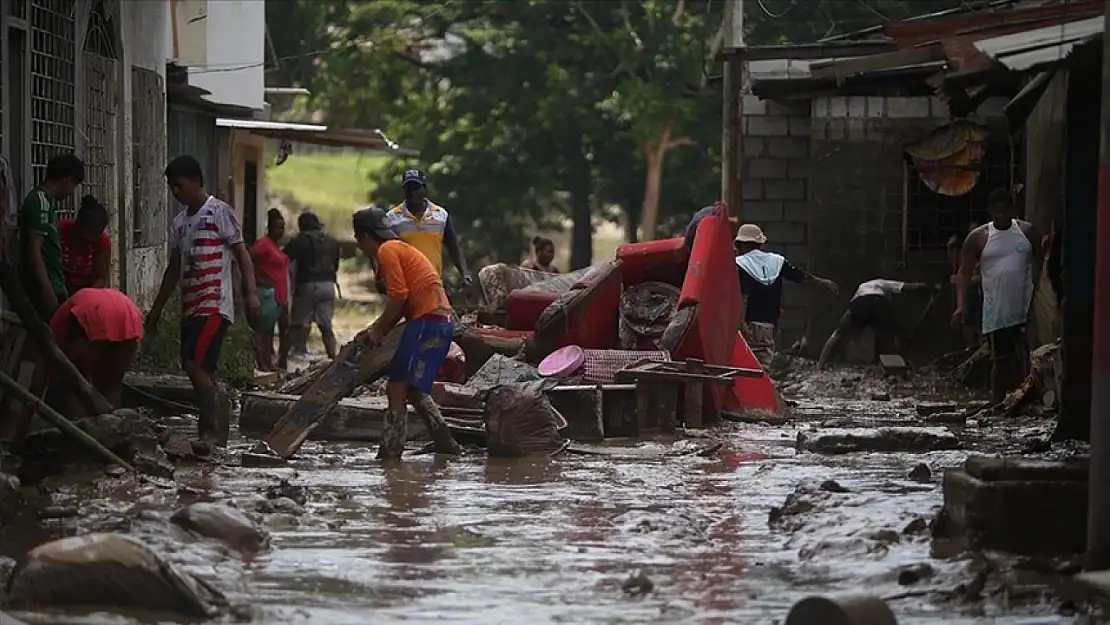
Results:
1042 46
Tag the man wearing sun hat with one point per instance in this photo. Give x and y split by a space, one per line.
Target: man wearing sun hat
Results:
761 275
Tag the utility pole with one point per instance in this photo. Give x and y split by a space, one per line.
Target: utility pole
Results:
1098 498
732 151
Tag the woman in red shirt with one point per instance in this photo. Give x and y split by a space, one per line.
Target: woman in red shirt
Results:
271 273
86 248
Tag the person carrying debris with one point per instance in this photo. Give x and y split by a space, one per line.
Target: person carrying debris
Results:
426 226
204 239
315 256
41 260
86 248
761 276
414 290
870 307
1006 250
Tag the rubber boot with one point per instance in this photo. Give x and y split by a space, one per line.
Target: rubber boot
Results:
442 440
393 434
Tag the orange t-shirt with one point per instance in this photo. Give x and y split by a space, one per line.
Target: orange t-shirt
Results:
104 314
410 276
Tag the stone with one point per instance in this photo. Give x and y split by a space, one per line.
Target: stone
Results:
638 584
950 418
287 490
110 572
995 469
915 527
880 397
840 611
921 473
261 461
891 439
893 364
909 575
222 523
832 486
1027 517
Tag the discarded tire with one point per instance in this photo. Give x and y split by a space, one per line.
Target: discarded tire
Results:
109 572
841 611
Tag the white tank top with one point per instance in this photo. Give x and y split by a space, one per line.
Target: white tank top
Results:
1006 267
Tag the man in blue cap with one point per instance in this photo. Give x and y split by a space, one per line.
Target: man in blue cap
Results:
425 225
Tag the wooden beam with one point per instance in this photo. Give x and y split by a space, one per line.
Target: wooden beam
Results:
806 51
840 68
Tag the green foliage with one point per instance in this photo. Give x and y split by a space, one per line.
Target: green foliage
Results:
536 111
161 351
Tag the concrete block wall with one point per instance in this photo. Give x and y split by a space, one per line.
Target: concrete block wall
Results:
775 187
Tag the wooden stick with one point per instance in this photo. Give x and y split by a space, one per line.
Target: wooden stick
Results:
61 422
44 340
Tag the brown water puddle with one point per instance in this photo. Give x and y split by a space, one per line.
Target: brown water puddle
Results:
552 540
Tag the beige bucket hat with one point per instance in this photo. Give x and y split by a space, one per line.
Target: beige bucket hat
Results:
750 233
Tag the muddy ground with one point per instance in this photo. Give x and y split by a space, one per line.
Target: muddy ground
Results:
645 533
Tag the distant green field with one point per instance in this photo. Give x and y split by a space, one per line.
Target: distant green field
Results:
333 185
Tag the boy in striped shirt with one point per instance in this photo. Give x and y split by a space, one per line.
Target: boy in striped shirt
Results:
204 239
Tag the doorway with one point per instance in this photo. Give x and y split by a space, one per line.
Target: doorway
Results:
250 200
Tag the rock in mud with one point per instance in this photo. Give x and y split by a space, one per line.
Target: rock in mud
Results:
222 523
10 495
921 473
282 505
500 370
841 611
638 584
893 439
109 572
915 527
7 565
926 409
284 489
948 418
520 421
833 486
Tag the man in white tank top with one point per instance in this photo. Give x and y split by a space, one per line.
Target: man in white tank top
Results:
1006 250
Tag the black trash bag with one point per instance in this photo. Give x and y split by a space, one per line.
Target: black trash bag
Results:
520 421
109 572
222 523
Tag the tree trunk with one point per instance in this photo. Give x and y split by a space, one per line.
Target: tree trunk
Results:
655 152
582 233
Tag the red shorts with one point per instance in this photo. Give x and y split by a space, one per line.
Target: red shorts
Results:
103 314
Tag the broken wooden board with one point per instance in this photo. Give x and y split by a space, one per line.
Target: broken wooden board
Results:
358 419
351 367
677 371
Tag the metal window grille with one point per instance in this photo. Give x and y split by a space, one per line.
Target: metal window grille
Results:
53 50
100 99
932 218
148 153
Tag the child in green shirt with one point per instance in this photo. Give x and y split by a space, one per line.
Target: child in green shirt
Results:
38 231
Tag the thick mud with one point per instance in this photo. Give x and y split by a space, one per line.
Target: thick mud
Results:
662 531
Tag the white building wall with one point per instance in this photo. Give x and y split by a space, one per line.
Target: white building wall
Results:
223 43
144 36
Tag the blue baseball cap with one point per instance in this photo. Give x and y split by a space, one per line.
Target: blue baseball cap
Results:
413 175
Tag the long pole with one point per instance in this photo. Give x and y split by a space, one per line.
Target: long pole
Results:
732 154
1098 518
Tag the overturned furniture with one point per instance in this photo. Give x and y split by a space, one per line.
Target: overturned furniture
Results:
669 392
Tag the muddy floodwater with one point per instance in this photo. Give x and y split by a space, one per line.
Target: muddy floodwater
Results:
650 532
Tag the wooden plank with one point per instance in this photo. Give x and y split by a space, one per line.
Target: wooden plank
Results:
25 375
351 367
647 401
693 393
841 68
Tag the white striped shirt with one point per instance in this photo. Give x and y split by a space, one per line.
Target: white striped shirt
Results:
204 240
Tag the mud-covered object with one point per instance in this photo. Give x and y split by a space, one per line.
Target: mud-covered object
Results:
520 421
499 280
646 310
501 370
109 572
222 523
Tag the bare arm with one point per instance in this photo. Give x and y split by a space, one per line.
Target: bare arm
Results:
451 240
394 310
969 257
170 277
246 269
909 287
38 270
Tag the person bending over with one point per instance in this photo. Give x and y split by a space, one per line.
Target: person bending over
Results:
870 307
414 290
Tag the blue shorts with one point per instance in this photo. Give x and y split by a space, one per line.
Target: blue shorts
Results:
421 353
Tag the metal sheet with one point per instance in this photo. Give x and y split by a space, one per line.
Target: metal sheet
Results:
1041 46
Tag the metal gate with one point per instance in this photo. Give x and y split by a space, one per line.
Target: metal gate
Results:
148 157
53 57
100 66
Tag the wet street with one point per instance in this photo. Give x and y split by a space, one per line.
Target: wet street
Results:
643 532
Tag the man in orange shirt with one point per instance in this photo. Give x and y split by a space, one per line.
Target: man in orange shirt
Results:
414 290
